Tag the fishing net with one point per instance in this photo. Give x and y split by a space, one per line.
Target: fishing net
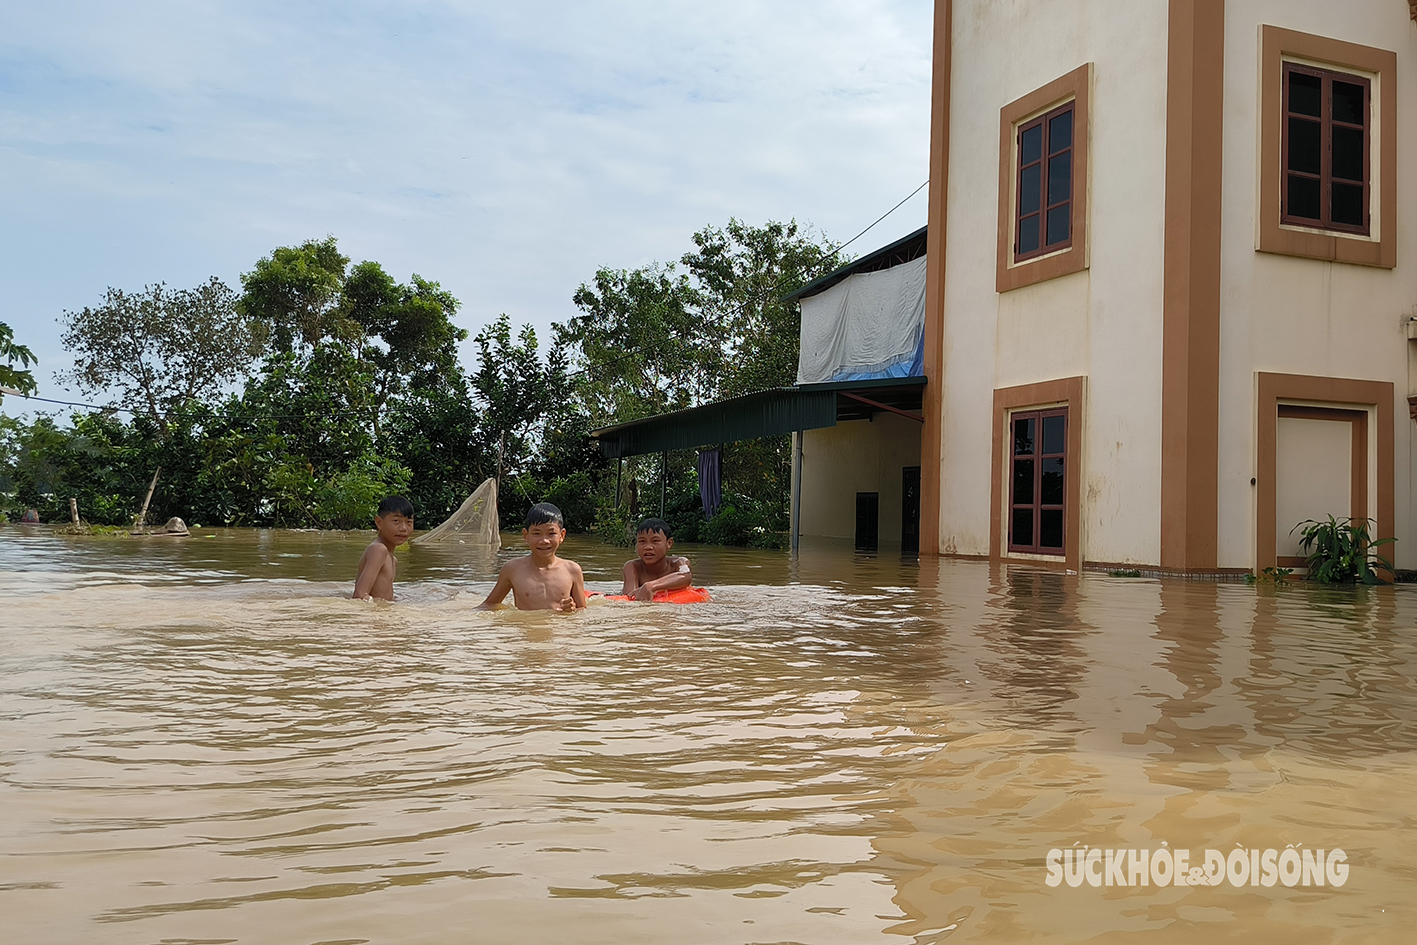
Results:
474 523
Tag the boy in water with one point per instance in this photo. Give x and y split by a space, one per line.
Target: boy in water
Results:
394 523
654 568
541 580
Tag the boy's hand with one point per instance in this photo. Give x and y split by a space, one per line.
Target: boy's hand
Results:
643 592
565 605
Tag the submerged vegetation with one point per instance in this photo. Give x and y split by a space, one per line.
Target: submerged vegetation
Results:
321 386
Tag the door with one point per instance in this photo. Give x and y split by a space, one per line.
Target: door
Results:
910 510
868 517
1037 486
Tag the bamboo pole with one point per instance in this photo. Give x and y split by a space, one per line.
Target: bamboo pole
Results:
142 516
74 511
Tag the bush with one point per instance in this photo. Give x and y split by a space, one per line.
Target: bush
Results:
1341 552
613 525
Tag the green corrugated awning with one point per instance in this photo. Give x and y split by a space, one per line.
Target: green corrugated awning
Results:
765 413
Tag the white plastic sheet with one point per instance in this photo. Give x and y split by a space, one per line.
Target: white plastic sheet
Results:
870 324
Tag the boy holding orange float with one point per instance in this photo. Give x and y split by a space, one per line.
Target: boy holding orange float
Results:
654 574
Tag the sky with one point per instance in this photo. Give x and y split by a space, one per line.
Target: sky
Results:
506 151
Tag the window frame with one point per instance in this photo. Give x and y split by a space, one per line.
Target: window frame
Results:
1326 124
1045 164
1035 501
1075 89
1062 391
1273 234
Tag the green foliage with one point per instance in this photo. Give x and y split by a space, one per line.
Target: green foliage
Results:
15 378
613 525
161 348
297 292
1340 551
1125 572
740 522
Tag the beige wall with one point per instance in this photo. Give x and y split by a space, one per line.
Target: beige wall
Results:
1306 316
1104 322
856 456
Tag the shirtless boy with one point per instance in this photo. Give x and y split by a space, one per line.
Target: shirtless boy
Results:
654 568
394 523
541 580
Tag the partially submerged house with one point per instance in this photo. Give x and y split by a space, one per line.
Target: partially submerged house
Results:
1167 306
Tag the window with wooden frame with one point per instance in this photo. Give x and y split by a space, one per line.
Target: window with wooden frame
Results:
1044 201
1327 149
1037 481
1043 182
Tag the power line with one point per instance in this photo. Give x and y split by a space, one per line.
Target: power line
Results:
100 408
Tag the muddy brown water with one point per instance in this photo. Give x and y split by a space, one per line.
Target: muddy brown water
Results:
203 740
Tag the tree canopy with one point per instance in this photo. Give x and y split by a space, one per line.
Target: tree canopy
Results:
161 348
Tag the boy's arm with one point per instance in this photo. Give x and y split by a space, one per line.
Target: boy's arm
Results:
499 592
375 557
632 577
681 576
578 586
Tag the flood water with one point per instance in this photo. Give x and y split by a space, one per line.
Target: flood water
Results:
205 741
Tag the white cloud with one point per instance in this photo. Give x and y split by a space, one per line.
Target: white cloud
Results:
506 150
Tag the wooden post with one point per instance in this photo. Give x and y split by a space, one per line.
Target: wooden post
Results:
663 479
142 516
619 468
74 511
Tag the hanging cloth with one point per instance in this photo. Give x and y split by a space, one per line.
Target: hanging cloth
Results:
711 480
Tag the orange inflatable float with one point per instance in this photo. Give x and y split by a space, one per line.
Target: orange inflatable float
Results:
683 595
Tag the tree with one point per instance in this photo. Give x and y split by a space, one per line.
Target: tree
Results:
516 389
161 348
741 274
313 301
643 343
15 378
297 292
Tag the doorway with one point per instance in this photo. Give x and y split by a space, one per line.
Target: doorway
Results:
868 519
910 510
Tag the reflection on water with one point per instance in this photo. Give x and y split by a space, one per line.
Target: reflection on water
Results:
205 740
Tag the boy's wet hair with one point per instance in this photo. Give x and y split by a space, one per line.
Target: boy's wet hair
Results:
654 525
544 513
396 503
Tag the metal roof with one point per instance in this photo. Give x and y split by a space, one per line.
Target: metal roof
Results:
764 413
902 250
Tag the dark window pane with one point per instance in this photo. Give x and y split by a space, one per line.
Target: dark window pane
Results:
1031 148
1348 103
1023 481
1060 178
1058 224
1028 234
1347 206
1348 153
1051 491
1022 531
1028 187
1050 532
1304 145
1303 197
1053 434
1304 93
1023 436
1060 132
